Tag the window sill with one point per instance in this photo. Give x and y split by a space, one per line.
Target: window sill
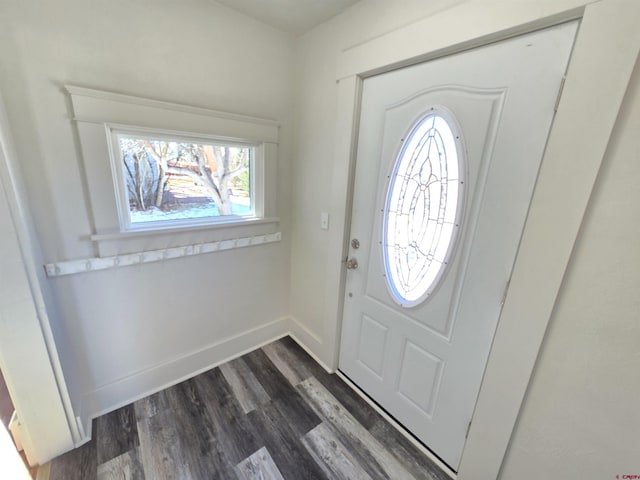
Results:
173 229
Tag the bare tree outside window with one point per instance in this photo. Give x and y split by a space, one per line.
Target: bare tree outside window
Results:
170 180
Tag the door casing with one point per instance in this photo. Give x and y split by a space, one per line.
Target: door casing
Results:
489 108
26 328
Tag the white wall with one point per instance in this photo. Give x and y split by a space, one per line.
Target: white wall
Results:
314 137
315 141
580 418
123 332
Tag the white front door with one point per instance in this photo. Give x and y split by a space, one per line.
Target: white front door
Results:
447 159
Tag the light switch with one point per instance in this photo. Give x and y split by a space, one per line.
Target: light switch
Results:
324 220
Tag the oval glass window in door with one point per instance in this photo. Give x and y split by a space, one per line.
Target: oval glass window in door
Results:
423 208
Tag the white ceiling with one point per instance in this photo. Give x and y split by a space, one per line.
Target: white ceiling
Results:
294 16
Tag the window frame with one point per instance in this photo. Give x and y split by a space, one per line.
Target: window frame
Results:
94 113
256 169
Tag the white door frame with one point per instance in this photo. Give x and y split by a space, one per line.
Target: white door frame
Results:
603 59
28 353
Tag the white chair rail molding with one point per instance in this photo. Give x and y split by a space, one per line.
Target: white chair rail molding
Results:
104 263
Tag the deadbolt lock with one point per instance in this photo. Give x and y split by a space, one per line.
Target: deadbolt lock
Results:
355 244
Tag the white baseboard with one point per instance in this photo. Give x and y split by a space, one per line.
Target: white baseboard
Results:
126 390
309 341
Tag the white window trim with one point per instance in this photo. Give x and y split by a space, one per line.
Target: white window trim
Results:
97 106
170 228
111 112
257 186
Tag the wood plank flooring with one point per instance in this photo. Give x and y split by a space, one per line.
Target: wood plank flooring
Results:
273 414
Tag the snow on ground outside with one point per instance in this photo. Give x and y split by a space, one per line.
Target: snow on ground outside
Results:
239 206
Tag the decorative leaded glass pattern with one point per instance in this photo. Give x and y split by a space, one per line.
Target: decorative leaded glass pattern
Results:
421 215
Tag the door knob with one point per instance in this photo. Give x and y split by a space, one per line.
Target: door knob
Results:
352 264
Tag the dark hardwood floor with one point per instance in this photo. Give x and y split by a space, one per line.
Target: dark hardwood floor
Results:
272 414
